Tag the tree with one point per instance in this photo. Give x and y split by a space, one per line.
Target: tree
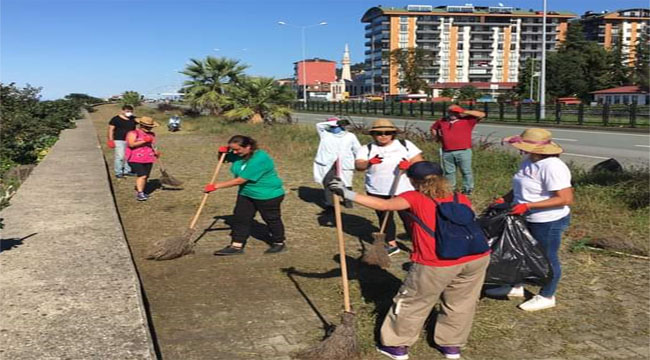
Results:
468 93
578 67
641 69
259 99
619 67
206 88
525 82
410 63
132 98
450 93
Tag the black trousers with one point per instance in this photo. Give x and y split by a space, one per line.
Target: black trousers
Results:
390 225
245 211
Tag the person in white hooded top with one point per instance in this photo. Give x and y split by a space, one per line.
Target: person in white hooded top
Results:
335 143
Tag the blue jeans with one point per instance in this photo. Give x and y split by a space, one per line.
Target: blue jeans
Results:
121 166
549 235
462 159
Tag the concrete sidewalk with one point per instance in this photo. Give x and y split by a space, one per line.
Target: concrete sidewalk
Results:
69 288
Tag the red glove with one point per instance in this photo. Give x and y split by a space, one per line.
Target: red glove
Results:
224 149
519 209
404 164
209 188
111 144
498 201
376 160
147 138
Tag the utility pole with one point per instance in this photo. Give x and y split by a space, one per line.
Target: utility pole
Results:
542 95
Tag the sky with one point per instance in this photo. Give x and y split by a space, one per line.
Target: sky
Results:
106 47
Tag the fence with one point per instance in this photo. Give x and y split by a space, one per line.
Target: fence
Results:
602 115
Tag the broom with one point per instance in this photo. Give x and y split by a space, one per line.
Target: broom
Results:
377 254
171 248
342 343
167 179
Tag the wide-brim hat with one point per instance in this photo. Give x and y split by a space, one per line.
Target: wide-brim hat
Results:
146 121
535 141
383 125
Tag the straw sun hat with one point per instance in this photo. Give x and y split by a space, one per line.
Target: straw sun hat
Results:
146 121
383 125
535 141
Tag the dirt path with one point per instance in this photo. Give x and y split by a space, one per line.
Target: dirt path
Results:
247 307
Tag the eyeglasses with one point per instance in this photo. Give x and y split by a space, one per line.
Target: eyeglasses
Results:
382 133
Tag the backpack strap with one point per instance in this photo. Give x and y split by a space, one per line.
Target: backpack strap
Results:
421 223
403 142
456 197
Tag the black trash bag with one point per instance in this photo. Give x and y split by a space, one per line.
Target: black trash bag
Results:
516 256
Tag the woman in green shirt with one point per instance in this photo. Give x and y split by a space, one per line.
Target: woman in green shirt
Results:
260 189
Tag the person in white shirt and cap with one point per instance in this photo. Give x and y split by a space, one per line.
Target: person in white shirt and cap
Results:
335 144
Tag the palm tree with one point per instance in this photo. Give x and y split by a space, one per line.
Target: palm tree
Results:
259 99
209 78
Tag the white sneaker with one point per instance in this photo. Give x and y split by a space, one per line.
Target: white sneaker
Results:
507 290
538 302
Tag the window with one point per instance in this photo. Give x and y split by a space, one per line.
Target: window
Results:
626 99
460 46
403 19
608 99
403 27
513 46
617 99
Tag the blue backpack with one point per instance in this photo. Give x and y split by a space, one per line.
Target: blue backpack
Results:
457 232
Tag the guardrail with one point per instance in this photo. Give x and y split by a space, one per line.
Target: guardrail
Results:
632 115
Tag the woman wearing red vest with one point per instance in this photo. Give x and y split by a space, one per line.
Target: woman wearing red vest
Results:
457 283
141 153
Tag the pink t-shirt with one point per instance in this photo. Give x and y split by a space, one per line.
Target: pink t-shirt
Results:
144 154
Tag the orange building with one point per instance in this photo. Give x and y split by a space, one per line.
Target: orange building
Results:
610 28
470 43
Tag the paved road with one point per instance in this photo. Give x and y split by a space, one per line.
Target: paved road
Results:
584 147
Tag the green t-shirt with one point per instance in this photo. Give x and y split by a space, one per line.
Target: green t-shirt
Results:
262 182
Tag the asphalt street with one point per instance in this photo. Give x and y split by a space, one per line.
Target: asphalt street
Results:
583 147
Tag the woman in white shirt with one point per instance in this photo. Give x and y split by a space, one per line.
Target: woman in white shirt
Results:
382 160
335 144
541 190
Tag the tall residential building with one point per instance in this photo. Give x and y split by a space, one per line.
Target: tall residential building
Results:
470 43
608 28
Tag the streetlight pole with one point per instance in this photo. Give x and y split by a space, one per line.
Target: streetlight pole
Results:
304 57
542 95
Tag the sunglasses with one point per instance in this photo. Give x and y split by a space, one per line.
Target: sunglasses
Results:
382 133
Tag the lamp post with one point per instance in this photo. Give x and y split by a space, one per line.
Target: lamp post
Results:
304 64
542 95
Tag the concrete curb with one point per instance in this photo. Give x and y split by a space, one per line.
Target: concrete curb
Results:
69 285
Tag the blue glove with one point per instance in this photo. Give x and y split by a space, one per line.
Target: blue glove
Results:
338 187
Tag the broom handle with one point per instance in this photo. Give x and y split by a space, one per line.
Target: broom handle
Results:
339 236
344 265
205 196
393 188
160 163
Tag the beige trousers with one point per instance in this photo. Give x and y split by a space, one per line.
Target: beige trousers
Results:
458 287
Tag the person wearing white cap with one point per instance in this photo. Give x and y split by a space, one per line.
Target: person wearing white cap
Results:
541 190
335 144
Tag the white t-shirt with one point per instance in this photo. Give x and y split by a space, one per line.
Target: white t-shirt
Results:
379 177
343 145
535 181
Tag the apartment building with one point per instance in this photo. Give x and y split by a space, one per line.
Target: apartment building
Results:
470 43
610 28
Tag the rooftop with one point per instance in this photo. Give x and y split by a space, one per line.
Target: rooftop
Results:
631 89
461 10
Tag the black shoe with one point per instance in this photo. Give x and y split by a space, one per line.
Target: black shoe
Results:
229 250
276 248
467 192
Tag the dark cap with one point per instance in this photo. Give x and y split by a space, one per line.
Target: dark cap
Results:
422 169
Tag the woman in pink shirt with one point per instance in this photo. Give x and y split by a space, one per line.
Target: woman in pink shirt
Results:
141 153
